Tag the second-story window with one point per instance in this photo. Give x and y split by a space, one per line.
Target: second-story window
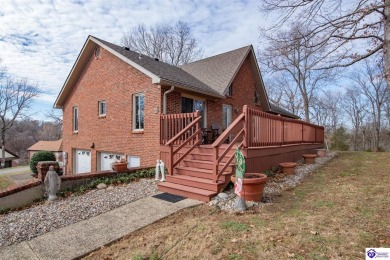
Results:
229 92
102 108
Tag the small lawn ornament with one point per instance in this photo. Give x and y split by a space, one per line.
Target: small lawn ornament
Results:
239 204
162 169
157 170
52 184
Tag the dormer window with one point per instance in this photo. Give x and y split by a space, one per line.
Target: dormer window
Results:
229 91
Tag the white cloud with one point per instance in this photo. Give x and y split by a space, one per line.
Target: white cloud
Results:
40 40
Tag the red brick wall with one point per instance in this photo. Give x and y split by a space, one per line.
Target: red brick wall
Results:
109 78
173 102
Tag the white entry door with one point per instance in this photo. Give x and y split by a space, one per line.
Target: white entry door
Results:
82 161
106 159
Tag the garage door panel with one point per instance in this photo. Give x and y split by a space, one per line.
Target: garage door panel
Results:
82 161
106 159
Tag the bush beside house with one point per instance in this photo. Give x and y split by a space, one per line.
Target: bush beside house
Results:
39 157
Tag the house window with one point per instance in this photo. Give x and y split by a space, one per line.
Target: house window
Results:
75 119
229 92
102 108
226 116
138 111
133 161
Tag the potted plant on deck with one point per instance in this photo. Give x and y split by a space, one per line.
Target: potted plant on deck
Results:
120 165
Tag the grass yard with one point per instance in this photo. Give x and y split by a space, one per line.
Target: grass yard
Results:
334 214
5 181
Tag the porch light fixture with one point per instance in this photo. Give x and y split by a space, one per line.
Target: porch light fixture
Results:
93 145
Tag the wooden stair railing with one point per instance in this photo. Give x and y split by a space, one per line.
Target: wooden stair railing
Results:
217 159
188 130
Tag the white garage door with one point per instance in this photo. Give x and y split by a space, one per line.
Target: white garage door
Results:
106 159
82 161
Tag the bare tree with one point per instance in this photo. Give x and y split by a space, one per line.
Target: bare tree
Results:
173 44
343 26
15 97
372 84
354 105
292 56
285 95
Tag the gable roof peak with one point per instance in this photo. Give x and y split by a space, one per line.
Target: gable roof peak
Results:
218 71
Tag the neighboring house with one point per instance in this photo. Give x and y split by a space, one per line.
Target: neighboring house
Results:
50 146
9 158
113 98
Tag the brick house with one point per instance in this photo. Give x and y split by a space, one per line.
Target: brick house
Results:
113 98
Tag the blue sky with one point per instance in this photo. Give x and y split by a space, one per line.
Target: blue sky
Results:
40 40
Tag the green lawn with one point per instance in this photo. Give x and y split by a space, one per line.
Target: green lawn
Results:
334 214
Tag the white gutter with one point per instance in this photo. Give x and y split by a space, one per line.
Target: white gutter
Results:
165 99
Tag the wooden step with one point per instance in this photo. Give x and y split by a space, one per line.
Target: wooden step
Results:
186 191
207 157
196 182
197 172
205 164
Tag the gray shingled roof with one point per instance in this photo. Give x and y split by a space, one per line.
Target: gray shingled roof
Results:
163 70
278 110
218 71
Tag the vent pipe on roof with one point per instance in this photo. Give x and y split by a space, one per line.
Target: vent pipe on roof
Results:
156 59
127 48
165 99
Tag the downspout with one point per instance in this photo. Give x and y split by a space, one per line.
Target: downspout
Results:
165 99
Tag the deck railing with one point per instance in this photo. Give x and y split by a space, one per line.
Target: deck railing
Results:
265 129
260 129
172 124
187 135
251 129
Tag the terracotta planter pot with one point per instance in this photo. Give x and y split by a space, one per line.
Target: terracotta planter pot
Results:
119 167
253 186
321 152
310 158
288 167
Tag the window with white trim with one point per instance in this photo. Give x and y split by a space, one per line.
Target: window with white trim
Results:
226 115
133 161
75 119
138 111
102 108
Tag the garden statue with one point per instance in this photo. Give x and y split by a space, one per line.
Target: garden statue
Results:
162 169
52 184
157 170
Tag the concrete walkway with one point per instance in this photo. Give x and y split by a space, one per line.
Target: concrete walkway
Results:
83 237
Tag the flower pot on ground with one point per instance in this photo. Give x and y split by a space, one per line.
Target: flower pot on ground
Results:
120 166
309 158
288 167
321 152
252 186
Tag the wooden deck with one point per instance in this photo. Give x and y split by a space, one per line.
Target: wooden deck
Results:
201 171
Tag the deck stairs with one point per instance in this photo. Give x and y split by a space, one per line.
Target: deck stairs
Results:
192 178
